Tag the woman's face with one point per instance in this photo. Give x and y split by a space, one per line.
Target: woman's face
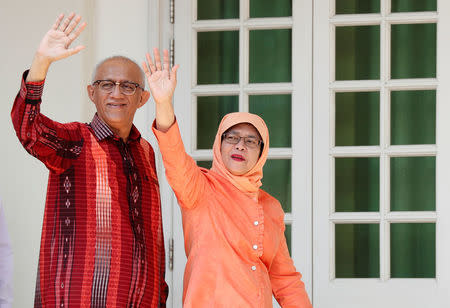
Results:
239 158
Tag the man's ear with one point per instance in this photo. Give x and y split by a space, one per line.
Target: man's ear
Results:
144 98
90 91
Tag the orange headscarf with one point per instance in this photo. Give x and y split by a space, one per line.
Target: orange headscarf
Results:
249 182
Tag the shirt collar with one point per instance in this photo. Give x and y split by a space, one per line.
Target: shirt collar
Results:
102 130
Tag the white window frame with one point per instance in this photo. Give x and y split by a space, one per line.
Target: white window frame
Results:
185 30
383 292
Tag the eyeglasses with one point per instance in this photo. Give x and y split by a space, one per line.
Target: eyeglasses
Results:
125 87
250 142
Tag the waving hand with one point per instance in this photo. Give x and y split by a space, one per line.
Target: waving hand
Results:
162 82
55 45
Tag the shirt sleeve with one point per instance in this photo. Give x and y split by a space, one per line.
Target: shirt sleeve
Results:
6 263
55 144
184 176
287 286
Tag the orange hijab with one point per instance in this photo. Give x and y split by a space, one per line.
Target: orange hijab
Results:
249 182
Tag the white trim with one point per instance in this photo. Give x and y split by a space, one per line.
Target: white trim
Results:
393 151
376 19
230 89
382 292
377 85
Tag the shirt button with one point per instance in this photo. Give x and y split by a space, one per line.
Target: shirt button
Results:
255 247
256 223
253 268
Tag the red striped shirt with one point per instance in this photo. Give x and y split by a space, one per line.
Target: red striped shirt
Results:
102 239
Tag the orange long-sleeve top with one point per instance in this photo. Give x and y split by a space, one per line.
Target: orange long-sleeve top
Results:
236 250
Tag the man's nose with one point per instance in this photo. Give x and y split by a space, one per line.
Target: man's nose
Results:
116 90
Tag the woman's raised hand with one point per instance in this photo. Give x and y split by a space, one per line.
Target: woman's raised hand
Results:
162 82
161 79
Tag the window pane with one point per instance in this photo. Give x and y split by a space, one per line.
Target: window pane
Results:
357 250
277 181
204 163
287 234
357 184
218 57
357 6
217 9
413 250
276 112
413 5
413 51
358 53
413 117
210 111
357 118
413 183
270 8
270 56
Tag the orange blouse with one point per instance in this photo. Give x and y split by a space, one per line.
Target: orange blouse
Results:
236 250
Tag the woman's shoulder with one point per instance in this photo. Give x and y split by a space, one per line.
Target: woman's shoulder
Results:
269 202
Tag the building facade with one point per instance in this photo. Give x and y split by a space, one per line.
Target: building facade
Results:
354 96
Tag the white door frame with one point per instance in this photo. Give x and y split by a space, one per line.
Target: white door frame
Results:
300 152
383 292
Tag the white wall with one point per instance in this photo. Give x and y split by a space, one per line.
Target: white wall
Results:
114 27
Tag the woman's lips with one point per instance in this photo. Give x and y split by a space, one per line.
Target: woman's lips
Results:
237 157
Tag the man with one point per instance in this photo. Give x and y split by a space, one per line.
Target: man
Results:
102 239
6 263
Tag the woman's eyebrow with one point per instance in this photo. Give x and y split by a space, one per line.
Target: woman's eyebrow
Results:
237 133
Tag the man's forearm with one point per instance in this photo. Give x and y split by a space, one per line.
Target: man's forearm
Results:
38 70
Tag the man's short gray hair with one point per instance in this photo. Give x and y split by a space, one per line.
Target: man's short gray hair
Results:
120 58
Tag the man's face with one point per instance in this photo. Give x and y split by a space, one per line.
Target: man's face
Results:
240 158
115 108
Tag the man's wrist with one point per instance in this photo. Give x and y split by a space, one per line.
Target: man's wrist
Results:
39 68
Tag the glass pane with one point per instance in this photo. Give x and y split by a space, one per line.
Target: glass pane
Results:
413 5
276 112
413 183
413 250
218 57
217 9
210 111
413 117
277 181
413 51
357 6
358 53
357 118
357 250
270 8
270 55
287 234
204 163
357 184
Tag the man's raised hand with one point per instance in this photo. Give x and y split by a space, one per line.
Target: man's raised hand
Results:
55 45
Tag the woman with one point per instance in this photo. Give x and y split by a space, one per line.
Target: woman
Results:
234 232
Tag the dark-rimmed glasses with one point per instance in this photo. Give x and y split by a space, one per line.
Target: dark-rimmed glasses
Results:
250 142
125 87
